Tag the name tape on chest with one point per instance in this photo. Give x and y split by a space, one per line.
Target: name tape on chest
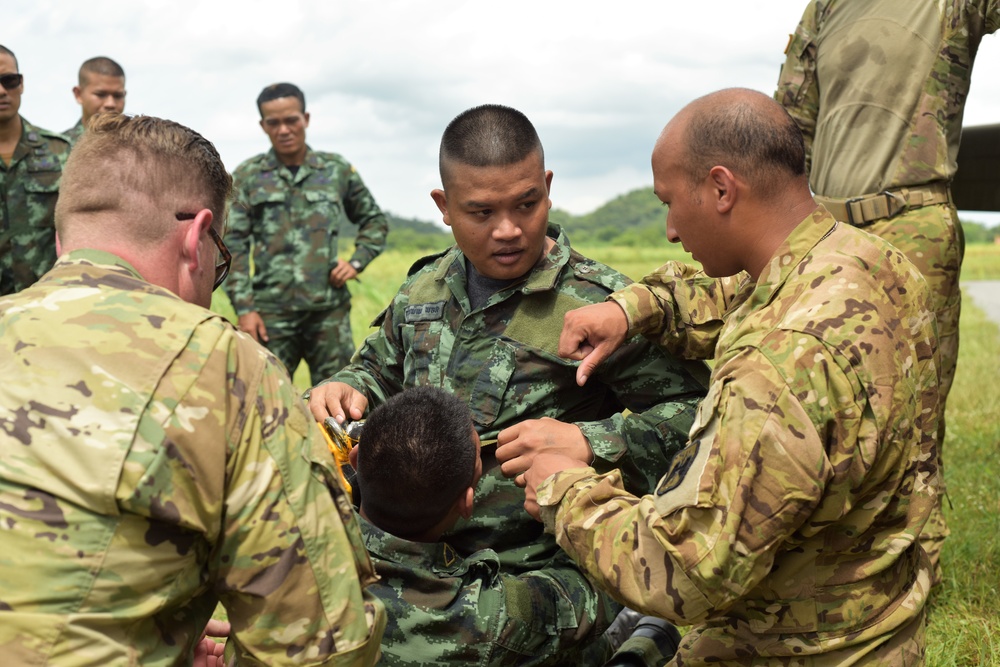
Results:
424 312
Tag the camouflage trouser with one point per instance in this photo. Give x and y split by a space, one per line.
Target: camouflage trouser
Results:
321 337
931 237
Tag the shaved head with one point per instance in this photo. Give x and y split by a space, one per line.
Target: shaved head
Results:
490 135
743 130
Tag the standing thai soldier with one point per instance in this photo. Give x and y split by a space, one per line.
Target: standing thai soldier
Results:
31 162
100 87
878 88
289 208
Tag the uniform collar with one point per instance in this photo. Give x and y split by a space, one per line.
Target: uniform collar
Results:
807 234
542 277
272 163
438 557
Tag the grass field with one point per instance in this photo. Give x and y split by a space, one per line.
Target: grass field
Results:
964 625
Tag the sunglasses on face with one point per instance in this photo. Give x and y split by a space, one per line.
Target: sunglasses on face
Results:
11 81
225 258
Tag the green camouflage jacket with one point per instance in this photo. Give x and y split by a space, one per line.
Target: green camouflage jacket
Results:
502 360
444 609
29 188
878 89
291 225
154 461
787 530
74 133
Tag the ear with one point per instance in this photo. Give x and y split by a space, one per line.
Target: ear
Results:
724 186
195 233
78 94
352 456
306 117
261 123
465 503
58 246
441 200
548 187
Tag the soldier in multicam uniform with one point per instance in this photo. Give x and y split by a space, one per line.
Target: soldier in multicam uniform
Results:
31 162
290 205
155 461
878 87
482 321
100 87
787 531
418 463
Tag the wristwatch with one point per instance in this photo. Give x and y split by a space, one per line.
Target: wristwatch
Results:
356 263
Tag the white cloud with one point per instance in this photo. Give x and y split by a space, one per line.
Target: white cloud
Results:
383 79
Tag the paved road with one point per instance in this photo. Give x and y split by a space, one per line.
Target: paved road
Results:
986 295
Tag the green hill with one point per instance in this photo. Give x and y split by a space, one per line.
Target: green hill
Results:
634 219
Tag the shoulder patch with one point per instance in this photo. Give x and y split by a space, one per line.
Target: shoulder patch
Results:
679 467
424 312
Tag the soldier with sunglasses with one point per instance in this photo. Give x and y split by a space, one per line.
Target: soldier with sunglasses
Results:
31 162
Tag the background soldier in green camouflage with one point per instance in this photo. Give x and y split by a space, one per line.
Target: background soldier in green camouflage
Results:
482 321
418 463
153 460
787 530
100 87
290 205
31 162
878 87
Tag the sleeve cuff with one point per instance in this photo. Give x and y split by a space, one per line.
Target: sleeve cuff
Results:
551 492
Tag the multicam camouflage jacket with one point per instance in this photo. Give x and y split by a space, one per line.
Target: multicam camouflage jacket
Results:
444 609
291 222
154 461
29 188
878 89
787 530
502 360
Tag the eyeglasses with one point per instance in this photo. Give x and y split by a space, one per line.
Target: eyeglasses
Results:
225 257
11 81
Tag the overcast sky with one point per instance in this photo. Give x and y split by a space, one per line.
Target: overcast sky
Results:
382 79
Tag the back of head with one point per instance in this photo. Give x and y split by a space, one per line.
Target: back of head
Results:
128 177
749 133
100 65
490 135
277 91
415 458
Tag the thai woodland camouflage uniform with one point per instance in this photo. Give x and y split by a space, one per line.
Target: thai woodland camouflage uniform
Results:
502 360
878 88
292 222
446 609
787 531
29 188
74 133
153 462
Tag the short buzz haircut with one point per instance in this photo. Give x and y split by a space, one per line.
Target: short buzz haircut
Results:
132 174
278 90
749 133
416 456
490 135
100 65
5 50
